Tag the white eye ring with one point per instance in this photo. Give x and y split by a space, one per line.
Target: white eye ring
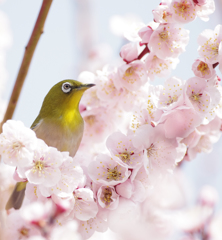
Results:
66 87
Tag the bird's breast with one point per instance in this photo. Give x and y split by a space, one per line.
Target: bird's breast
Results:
65 133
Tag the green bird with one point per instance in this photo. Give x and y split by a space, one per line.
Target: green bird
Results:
59 124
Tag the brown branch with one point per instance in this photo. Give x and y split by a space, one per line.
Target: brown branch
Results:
29 51
144 52
215 64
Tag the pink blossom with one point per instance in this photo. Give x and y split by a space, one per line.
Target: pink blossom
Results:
44 168
168 41
83 205
142 175
183 10
220 57
107 197
33 193
108 92
17 144
132 190
132 76
171 94
202 97
218 109
125 189
71 177
129 52
122 147
180 122
162 153
98 124
145 34
87 228
203 138
209 44
203 69
18 228
158 67
147 112
108 170
163 14
204 8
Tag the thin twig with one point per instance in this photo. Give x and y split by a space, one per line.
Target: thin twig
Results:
29 51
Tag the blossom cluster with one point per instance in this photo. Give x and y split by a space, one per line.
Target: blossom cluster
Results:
136 134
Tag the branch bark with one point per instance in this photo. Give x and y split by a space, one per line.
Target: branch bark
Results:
29 51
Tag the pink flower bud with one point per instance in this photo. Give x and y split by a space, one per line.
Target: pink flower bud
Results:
145 34
203 69
129 52
125 189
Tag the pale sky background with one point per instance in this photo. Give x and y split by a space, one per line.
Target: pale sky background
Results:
58 54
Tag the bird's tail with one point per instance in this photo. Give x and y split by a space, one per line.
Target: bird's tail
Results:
17 196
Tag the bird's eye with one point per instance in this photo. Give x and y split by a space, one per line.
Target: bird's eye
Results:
66 87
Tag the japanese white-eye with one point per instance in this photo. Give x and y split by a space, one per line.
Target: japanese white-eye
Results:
59 124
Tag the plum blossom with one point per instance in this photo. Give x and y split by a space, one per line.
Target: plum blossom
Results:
134 190
145 34
19 228
122 147
158 67
129 52
203 69
163 14
183 11
97 126
204 8
162 153
147 112
108 170
142 176
83 206
33 193
171 94
203 138
168 41
71 177
44 168
87 228
201 97
180 122
107 197
107 92
209 44
17 144
132 76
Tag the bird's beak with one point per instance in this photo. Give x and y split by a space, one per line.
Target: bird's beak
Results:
86 86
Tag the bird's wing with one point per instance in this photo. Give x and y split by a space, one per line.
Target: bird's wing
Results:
36 123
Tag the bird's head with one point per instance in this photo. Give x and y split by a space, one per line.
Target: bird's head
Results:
63 97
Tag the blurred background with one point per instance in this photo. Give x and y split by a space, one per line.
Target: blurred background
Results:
83 35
